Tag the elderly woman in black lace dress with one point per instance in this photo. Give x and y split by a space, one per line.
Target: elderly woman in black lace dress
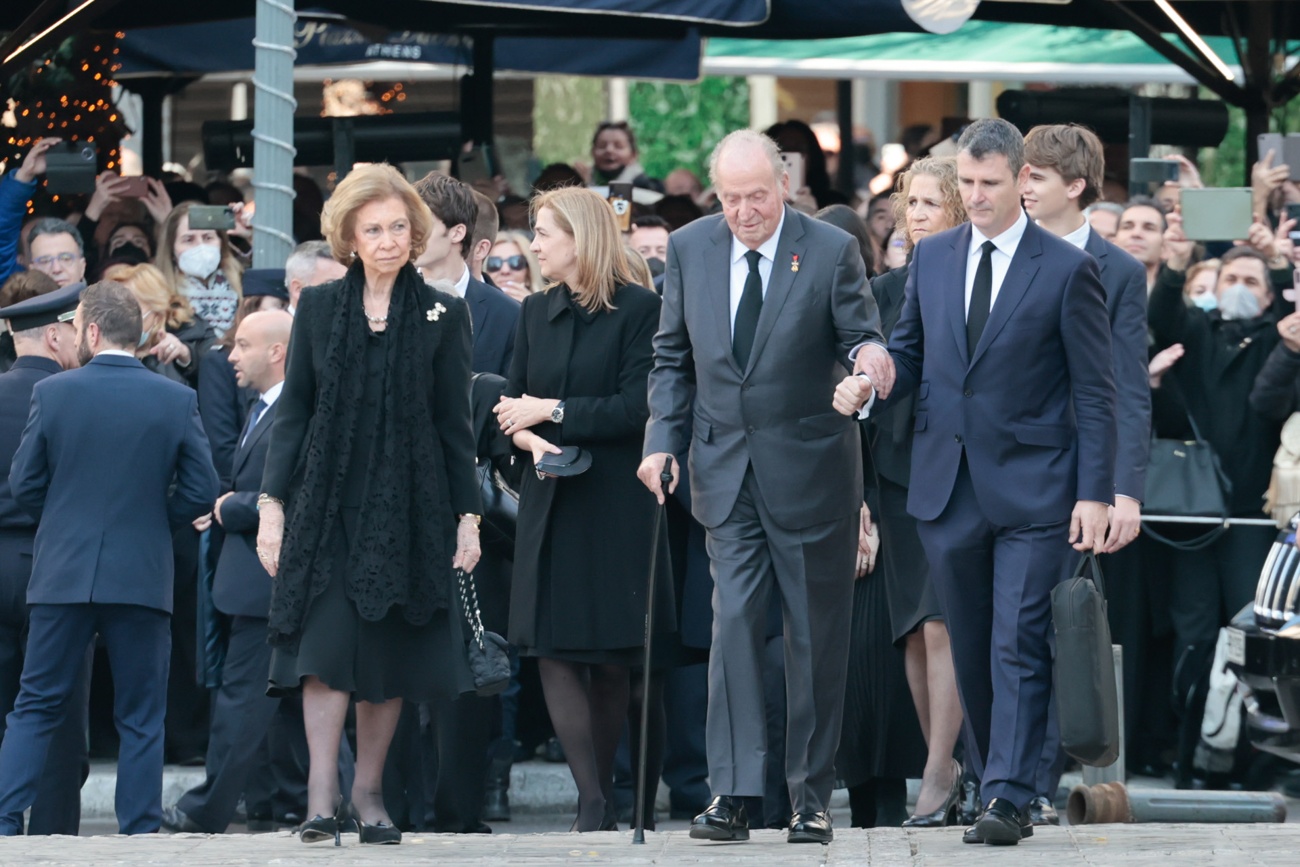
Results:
370 498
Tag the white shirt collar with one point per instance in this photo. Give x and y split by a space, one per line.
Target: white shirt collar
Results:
767 249
1007 242
270 396
116 352
462 285
1079 237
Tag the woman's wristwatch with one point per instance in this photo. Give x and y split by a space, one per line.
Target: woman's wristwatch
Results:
265 499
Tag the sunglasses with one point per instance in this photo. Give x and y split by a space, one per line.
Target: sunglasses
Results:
514 263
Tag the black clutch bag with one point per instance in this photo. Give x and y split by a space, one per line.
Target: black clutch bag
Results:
486 652
571 461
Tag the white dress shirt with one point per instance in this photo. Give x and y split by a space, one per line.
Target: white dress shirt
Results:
116 352
1079 237
462 285
740 266
272 394
1004 248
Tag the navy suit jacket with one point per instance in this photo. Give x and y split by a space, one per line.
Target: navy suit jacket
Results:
495 317
1033 407
103 447
15 401
1125 282
241 587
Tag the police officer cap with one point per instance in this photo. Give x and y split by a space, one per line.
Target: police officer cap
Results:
265 281
56 306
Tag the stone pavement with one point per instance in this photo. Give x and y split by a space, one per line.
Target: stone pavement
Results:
1094 846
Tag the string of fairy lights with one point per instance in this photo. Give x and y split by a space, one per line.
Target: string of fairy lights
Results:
69 94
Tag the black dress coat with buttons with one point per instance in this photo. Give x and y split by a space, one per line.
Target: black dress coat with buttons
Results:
583 543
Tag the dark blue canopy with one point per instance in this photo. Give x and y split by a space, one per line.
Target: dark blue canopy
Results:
224 46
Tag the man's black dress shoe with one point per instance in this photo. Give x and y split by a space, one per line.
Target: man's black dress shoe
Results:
1001 824
175 821
722 820
1042 812
810 828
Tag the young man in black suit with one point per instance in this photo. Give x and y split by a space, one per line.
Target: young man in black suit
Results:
1063 173
112 461
495 314
241 589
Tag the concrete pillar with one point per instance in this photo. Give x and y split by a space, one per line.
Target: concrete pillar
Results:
980 100
239 101
762 101
616 89
878 108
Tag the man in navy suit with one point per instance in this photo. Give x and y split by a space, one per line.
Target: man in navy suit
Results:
1005 338
495 314
45 343
1063 173
241 589
103 447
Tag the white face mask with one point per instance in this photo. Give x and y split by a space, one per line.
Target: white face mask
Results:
200 261
1238 302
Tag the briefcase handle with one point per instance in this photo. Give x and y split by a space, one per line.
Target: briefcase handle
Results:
1088 563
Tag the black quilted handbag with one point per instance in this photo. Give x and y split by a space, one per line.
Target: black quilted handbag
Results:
489 662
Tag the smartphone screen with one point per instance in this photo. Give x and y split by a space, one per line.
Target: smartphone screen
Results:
794 168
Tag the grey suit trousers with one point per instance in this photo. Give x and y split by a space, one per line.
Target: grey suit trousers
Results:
812 569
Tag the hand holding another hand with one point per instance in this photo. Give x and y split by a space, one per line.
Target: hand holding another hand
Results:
875 361
851 394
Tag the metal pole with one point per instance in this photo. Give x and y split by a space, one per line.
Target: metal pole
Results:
1114 802
273 150
844 180
1227 522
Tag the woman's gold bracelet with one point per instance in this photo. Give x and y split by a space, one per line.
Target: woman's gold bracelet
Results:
265 499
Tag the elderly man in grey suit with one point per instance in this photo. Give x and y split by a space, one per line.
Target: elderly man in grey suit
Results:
765 310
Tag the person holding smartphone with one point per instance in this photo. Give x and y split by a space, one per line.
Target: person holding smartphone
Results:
201 265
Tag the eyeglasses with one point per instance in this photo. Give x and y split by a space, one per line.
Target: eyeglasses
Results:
64 259
514 263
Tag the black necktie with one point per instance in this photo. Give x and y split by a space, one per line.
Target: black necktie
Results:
253 415
981 297
751 304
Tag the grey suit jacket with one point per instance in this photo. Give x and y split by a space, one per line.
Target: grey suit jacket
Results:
776 414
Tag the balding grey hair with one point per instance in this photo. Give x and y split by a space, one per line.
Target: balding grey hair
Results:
746 138
993 135
301 264
1109 207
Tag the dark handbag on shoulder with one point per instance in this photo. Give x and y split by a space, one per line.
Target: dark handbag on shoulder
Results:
1087 700
1184 479
489 662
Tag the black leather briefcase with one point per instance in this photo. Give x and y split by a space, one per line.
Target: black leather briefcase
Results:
1087 703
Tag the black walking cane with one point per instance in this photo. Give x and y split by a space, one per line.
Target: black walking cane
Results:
665 479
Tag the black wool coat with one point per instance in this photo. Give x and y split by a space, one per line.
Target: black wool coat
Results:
594 530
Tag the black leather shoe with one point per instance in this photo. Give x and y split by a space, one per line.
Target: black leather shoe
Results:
1042 812
722 820
175 821
1001 824
810 828
382 834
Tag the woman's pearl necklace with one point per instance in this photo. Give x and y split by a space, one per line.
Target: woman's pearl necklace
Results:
376 320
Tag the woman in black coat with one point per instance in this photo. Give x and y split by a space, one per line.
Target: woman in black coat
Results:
370 499
578 378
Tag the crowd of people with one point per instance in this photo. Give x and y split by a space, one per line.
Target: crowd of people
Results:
893 420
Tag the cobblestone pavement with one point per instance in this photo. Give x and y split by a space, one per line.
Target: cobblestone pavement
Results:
1095 846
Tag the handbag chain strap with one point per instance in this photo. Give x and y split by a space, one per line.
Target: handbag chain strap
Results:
469 601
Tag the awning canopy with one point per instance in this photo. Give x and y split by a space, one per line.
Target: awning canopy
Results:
980 50
227 46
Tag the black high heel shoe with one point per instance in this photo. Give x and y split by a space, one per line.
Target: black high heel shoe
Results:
381 834
319 828
947 812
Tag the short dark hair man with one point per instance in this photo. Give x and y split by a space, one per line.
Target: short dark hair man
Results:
55 248
112 460
494 313
1005 339
485 234
1141 234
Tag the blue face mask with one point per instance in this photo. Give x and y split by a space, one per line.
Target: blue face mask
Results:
1206 301
144 338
